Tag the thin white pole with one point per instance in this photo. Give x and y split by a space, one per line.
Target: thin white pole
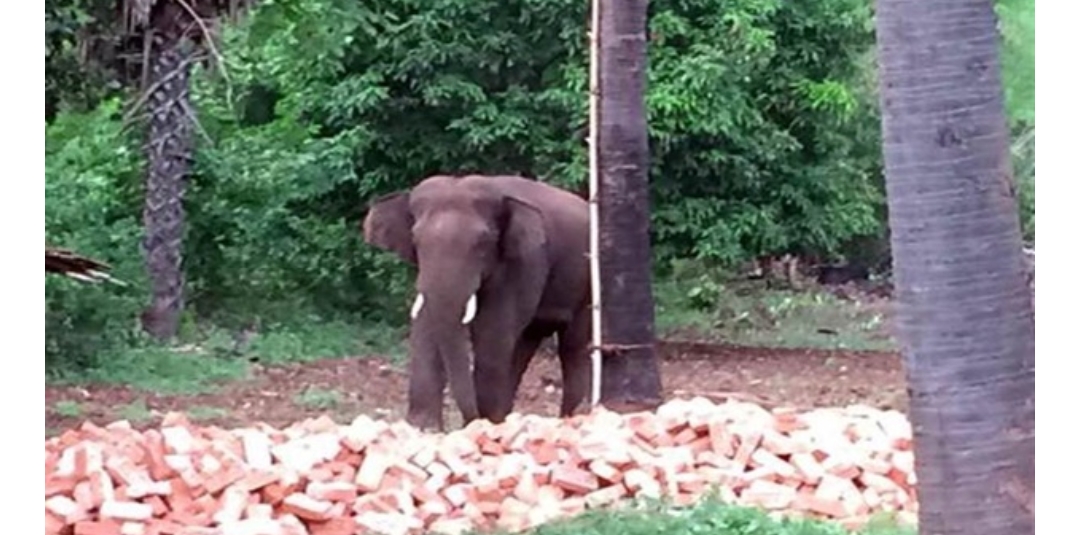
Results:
594 195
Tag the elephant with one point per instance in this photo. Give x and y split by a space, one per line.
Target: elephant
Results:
502 265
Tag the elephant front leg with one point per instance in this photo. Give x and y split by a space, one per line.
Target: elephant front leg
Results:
493 371
427 381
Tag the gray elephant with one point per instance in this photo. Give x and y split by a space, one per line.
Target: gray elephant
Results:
502 265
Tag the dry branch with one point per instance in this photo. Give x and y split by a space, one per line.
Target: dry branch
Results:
76 266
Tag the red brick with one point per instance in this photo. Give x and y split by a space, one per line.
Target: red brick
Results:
574 479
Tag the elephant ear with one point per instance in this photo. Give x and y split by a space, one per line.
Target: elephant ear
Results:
524 233
388 225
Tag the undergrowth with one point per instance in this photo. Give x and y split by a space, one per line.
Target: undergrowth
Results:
204 359
709 517
703 305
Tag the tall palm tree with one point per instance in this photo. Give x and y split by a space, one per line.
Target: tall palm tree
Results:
965 314
169 150
631 376
174 32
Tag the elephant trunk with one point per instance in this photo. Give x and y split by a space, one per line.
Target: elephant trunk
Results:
443 309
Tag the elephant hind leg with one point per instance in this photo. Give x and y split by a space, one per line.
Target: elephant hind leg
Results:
574 341
525 351
499 399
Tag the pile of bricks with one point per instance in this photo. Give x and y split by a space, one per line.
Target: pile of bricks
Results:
318 477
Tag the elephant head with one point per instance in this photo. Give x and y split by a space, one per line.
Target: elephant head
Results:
459 233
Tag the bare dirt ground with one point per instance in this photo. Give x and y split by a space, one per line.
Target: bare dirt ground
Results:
343 388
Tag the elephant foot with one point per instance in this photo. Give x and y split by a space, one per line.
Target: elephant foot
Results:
580 408
496 418
493 411
426 422
632 406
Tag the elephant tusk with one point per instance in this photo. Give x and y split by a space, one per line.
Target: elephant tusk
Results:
417 305
470 310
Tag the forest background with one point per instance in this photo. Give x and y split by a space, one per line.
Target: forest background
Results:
763 122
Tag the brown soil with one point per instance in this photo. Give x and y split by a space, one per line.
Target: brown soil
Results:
344 388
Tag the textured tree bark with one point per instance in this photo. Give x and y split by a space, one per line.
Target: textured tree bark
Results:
630 375
169 152
966 320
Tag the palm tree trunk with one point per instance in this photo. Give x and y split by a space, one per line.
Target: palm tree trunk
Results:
169 153
631 376
965 313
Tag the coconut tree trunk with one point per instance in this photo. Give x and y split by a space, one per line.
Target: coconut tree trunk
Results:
169 153
630 375
965 313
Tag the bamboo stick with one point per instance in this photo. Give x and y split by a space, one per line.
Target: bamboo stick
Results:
594 196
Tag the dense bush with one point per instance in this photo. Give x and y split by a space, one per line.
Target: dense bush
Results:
762 115
761 132
91 206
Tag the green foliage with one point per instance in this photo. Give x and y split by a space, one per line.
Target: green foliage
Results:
91 200
93 206
83 55
761 141
1017 28
764 139
707 518
375 99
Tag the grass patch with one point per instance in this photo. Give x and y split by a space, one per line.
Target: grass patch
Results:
136 411
68 408
707 518
746 313
206 358
205 412
315 398
181 370
314 341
